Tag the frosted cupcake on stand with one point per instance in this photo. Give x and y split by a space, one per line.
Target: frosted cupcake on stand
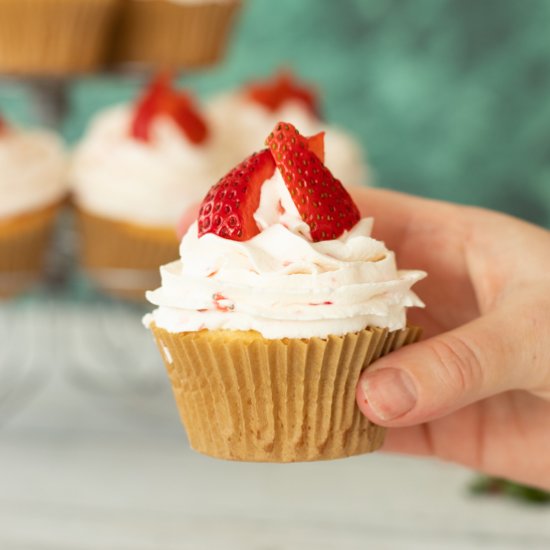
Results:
255 109
135 171
55 37
32 189
174 33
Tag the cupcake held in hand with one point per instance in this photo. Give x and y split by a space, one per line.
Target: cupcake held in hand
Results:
32 188
133 175
279 301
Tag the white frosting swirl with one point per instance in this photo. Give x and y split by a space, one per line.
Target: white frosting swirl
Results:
151 183
281 284
32 170
233 113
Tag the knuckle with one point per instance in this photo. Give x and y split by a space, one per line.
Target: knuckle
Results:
458 361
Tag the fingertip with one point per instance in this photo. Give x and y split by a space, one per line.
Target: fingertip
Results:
386 394
362 401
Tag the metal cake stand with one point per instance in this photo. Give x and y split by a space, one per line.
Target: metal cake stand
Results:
65 328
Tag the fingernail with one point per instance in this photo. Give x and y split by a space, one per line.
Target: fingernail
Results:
389 392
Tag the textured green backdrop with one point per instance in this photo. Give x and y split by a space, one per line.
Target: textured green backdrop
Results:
451 98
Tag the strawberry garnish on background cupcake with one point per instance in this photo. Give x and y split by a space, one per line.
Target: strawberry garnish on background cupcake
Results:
283 87
162 99
3 125
321 200
252 111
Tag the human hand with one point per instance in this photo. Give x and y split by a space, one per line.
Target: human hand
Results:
476 390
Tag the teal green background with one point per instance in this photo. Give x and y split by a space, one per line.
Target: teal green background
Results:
451 98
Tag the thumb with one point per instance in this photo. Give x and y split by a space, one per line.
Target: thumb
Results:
430 379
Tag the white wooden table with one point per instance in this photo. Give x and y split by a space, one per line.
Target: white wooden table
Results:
92 456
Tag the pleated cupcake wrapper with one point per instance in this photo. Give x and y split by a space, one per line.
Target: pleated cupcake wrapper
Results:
244 397
23 245
123 259
174 35
43 37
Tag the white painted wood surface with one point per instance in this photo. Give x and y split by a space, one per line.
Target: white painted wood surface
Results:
92 456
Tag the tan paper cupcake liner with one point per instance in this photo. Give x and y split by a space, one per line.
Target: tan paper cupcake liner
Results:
174 35
43 37
23 244
244 397
123 259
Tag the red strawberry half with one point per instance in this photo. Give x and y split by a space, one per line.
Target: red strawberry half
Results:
273 93
290 137
161 98
185 114
228 208
149 107
316 144
320 198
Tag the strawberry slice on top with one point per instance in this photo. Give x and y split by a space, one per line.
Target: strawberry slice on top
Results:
283 87
161 99
316 144
228 208
322 201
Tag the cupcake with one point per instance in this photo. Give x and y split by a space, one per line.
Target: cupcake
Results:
132 176
45 37
32 187
174 33
255 109
279 301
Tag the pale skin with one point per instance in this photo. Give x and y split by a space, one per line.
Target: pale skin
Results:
477 387
479 381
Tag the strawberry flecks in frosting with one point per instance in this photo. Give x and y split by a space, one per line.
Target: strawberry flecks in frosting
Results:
161 99
283 281
273 278
273 93
221 303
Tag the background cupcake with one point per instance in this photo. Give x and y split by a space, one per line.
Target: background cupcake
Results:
255 109
174 33
133 174
45 37
280 300
32 187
